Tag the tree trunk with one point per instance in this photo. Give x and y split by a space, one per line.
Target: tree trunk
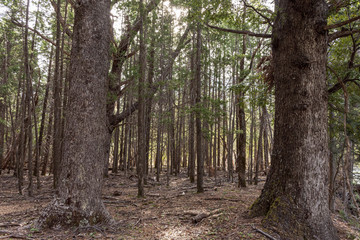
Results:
240 106
56 147
78 200
116 146
140 167
192 118
295 196
199 155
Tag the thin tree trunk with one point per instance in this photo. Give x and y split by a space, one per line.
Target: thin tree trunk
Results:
192 117
199 155
141 158
116 145
250 171
56 147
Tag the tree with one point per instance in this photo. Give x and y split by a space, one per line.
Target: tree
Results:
295 195
56 150
78 199
140 166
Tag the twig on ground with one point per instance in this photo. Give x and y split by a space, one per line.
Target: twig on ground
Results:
264 233
9 224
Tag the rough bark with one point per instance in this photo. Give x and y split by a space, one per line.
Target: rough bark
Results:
141 158
192 120
56 146
295 196
78 200
199 153
241 141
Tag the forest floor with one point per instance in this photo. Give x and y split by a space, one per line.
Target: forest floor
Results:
167 212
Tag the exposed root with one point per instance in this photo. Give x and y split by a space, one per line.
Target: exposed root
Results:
58 214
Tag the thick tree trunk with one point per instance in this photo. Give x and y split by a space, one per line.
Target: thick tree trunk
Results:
295 196
78 200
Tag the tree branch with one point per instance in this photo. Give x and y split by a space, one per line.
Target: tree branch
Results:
252 34
268 20
35 31
116 119
339 85
342 33
336 25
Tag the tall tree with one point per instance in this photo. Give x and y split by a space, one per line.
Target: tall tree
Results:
295 195
78 199
199 153
56 149
141 158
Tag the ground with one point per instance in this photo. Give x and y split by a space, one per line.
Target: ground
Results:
167 212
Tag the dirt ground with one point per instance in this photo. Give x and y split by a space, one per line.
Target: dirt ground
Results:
167 212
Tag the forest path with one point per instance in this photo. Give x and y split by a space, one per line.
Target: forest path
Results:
167 212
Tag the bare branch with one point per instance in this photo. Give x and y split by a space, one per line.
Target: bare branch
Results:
268 20
336 5
116 119
34 30
343 33
339 85
342 23
252 34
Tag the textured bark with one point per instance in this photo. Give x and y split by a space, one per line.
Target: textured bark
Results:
78 200
241 154
295 196
250 168
141 158
192 120
3 98
116 149
56 146
241 141
259 153
199 153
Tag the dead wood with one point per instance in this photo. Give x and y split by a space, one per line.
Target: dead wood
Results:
11 234
9 224
198 218
224 199
264 233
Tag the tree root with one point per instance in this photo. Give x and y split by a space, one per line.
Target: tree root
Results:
58 214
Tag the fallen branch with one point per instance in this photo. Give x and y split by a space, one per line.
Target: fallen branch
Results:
12 235
199 217
9 224
264 233
224 199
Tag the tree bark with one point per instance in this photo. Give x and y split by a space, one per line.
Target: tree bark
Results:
192 117
295 195
141 158
78 200
199 155
56 146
